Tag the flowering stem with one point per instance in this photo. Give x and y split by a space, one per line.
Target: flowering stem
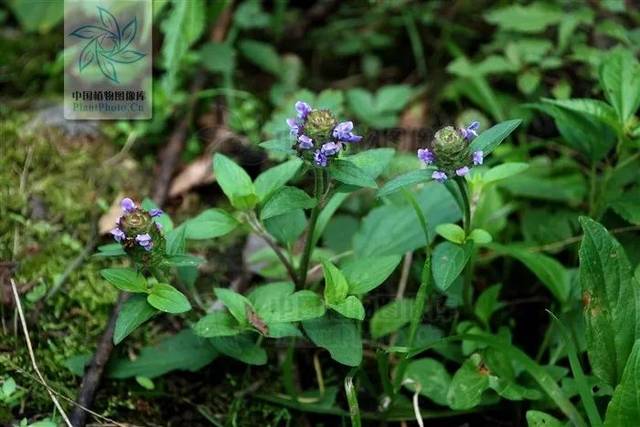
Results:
421 295
467 291
318 177
466 220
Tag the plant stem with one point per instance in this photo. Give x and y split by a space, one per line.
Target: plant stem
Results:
255 225
318 177
466 219
421 295
467 290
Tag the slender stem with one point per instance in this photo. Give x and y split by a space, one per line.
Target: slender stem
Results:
260 231
466 219
318 176
421 295
467 290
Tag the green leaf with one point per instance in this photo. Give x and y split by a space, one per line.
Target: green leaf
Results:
480 236
539 373
595 108
263 295
364 274
449 260
262 54
391 317
241 347
217 324
135 311
166 298
37 17
185 260
452 232
284 200
620 78
234 181
373 161
532 18
209 224
235 303
8 387
552 274
541 419
624 407
430 378
218 57
301 305
336 287
348 173
125 279
410 178
283 145
164 220
338 335
580 131
182 28
110 250
393 98
350 307
274 178
487 304
286 228
503 171
391 229
145 382
488 140
468 384
608 293
183 351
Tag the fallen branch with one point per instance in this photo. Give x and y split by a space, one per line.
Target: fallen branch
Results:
93 374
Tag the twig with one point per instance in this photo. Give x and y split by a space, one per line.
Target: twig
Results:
91 379
32 356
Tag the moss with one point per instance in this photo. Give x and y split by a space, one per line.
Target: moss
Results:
49 199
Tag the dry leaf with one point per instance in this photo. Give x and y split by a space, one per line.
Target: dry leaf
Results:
197 173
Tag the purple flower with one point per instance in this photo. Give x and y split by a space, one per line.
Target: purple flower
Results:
305 142
303 109
118 234
478 157
155 213
462 171
145 241
320 158
426 155
127 205
439 176
330 148
342 132
294 126
470 131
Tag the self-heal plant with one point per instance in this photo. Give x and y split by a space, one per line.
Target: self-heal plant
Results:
140 236
450 153
153 252
319 136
